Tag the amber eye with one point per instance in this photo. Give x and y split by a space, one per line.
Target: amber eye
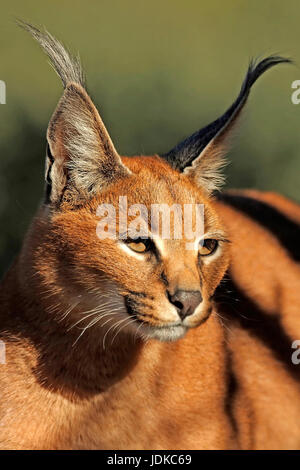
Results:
207 246
139 245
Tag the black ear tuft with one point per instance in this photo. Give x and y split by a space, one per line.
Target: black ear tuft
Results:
187 151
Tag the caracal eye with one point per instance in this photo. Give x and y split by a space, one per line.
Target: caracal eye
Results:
207 246
139 245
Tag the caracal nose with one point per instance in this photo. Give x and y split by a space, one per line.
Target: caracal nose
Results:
185 301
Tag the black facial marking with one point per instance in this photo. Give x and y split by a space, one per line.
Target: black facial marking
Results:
134 305
164 278
137 294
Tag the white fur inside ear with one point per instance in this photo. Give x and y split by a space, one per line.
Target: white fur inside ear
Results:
206 170
82 150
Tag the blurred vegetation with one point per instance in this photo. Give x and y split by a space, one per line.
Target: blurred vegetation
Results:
158 71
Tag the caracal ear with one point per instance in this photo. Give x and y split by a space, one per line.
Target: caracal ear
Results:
81 158
201 156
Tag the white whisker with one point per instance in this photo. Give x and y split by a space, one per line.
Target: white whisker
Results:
109 329
131 320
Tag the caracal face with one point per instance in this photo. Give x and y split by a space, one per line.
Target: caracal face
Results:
153 280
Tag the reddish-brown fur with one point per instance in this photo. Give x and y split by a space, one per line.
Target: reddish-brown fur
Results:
120 399
228 383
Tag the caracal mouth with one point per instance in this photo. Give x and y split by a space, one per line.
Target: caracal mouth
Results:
169 333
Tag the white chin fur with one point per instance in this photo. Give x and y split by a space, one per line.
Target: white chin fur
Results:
171 333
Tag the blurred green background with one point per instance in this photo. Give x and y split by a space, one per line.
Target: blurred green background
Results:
158 71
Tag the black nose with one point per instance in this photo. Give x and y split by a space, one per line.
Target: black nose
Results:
186 301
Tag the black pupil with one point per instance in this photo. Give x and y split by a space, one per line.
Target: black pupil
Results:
210 244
